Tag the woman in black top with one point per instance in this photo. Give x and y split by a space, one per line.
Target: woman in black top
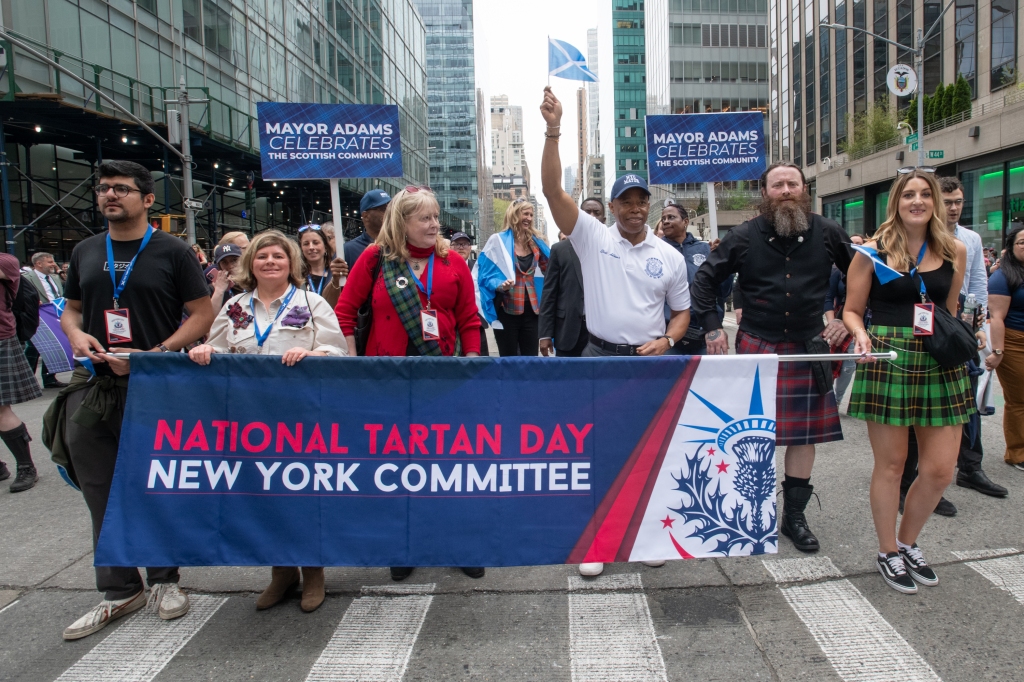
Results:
912 390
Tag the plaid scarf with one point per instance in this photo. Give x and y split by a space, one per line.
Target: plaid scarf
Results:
407 304
515 298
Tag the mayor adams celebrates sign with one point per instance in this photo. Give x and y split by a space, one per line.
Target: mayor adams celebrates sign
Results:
705 147
441 462
307 141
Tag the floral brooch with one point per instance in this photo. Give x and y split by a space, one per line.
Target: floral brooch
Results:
297 317
239 318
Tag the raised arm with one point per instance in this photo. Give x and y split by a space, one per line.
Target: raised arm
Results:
563 208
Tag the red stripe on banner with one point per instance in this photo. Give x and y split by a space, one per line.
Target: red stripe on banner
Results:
613 522
679 548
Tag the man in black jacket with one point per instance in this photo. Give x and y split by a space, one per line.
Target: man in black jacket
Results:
563 324
784 258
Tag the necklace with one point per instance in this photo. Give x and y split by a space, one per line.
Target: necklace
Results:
417 263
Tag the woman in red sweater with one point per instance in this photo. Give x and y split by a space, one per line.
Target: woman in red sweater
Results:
422 299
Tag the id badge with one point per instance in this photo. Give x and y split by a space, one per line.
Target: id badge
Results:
431 331
119 327
924 319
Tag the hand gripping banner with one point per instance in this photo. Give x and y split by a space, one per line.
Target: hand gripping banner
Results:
441 462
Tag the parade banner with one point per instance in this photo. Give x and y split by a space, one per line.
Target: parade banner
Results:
722 147
300 141
442 462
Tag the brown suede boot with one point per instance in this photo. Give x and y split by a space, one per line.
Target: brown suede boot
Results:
283 579
312 588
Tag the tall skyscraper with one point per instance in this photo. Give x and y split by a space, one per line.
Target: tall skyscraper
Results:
569 180
630 72
451 106
506 137
485 184
581 142
594 92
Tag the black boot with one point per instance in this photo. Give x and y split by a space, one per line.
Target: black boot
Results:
17 440
25 479
5 473
794 523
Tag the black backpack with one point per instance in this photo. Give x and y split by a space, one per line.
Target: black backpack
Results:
25 306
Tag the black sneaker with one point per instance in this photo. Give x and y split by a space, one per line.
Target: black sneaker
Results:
25 479
895 573
5 473
918 568
945 508
400 573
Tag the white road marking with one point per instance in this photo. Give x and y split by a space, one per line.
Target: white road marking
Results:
141 647
374 640
1006 573
801 570
9 605
623 581
858 642
424 588
984 553
611 636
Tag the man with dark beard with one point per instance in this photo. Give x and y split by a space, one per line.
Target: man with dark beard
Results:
784 258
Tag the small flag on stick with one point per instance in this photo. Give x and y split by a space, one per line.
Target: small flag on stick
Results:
565 61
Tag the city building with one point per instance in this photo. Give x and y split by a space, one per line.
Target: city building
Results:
507 156
595 177
581 145
55 132
594 92
451 107
569 179
485 182
509 188
630 86
824 81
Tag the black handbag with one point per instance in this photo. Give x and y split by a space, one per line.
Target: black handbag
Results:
364 316
952 342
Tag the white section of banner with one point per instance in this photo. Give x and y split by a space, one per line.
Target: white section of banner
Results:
717 481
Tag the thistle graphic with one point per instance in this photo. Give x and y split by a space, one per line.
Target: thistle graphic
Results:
754 480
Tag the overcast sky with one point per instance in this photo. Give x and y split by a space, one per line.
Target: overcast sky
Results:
512 59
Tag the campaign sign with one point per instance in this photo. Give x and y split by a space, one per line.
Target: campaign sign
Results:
300 141
442 462
705 147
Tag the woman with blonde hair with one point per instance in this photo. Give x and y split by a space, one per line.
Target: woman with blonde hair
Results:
913 265
510 275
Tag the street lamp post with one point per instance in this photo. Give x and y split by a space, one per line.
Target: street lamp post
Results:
918 53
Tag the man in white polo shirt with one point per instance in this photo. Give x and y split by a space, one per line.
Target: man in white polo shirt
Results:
629 275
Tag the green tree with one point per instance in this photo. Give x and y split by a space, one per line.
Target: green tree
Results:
947 101
500 206
935 114
876 125
961 95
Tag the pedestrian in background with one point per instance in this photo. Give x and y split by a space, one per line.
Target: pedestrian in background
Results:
675 223
462 245
17 382
50 288
279 316
322 274
225 258
1006 304
510 276
913 390
371 210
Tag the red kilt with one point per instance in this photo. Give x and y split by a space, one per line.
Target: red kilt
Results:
802 416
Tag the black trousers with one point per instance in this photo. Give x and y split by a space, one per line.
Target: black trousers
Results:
520 335
577 350
93 454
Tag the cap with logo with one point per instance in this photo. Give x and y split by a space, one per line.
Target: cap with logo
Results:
224 251
461 235
375 198
627 182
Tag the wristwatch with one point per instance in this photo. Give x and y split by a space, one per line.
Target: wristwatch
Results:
997 352
163 348
671 341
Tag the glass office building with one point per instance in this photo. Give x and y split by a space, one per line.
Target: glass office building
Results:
630 87
451 106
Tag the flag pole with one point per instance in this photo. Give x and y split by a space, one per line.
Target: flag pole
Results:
549 61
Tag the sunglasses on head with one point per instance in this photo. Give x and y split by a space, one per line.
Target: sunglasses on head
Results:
519 201
910 169
309 227
412 189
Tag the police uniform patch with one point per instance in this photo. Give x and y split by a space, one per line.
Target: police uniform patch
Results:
654 268
699 258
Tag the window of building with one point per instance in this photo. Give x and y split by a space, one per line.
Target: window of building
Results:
1004 43
148 5
798 112
842 97
860 58
966 47
933 48
853 216
723 35
825 108
983 203
881 52
881 208
192 25
1015 198
810 71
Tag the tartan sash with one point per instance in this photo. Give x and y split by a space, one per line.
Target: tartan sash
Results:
407 305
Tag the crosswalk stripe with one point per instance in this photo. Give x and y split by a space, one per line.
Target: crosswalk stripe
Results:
801 570
9 605
140 648
1006 573
858 642
967 555
375 638
611 635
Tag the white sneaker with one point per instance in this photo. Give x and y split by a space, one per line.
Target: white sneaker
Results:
102 614
592 569
653 564
169 601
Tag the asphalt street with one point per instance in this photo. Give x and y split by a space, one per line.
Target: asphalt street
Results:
792 616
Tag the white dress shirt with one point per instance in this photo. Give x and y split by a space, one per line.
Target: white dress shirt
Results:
627 286
48 285
975 276
308 322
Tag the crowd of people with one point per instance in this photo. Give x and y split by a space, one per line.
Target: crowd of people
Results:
403 289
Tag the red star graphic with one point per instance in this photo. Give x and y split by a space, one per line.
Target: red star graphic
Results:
711 452
667 522
723 467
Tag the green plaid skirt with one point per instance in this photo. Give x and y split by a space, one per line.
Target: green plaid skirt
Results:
912 390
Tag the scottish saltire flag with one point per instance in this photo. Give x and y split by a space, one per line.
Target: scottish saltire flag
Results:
50 340
884 272
495 267
565 61
545 461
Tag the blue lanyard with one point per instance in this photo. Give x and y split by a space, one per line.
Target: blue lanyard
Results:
430 279
119 286
318 290
920 257
261 337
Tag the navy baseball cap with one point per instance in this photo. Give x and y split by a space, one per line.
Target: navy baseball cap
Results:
461 235
225 250
628 181
375 198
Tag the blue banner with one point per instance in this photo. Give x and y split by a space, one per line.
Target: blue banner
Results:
705 147
442 462
300 141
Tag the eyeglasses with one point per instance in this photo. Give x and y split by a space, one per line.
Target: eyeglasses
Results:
953 202
120 191
920 169
520 200
412 189
309 227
